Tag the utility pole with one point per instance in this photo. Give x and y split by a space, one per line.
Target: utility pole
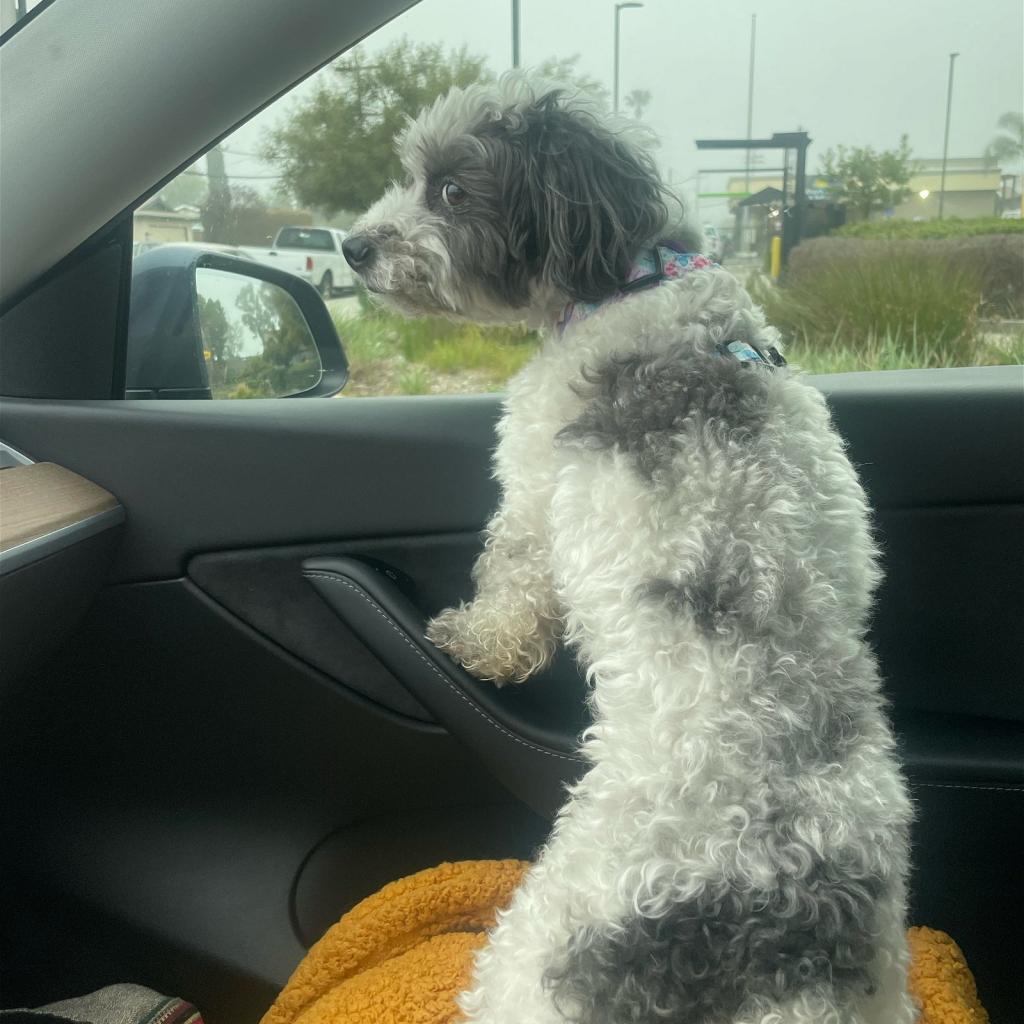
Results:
745 211
218 198
945 141
11 12
750 93
619 8
515 33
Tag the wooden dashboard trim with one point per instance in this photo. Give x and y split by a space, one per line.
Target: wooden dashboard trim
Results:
44 502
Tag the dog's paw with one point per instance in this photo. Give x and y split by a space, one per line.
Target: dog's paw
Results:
482 641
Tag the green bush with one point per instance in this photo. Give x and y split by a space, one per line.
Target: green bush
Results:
854 304
952 228
919 269
883 295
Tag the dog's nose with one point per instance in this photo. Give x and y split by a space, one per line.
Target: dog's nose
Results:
358 251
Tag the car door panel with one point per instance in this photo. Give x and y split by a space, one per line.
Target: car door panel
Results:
246 753
58 534
312 471
276 591
191 768
201 476
531 752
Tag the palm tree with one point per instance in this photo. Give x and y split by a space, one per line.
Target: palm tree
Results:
637 101
1008 145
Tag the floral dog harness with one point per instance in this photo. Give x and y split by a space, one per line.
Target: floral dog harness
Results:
658 265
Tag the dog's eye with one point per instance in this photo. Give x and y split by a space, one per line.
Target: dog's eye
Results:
453 194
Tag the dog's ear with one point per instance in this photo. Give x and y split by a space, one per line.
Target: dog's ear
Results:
583 200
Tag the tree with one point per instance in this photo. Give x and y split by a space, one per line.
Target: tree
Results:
288 360
638 100
187 189
866 180
216 210
1008 145
220 337
336 150
563 71
234 215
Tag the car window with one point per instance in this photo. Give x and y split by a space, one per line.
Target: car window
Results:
12 11
862 177
305 238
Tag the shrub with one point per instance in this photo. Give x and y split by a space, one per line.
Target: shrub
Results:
918 270
856 304
952 228
876 295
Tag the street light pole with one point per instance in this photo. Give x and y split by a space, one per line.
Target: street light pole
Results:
750 93
945 141
745 212
615 90
515 33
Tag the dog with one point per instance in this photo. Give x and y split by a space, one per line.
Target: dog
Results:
677 506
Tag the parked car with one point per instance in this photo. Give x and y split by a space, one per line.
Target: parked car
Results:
141 248
311 253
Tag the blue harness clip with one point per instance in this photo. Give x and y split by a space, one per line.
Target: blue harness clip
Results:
743 352
746 353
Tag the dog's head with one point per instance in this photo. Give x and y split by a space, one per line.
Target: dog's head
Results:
516 199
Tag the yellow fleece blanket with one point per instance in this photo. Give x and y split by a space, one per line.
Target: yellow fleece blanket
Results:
403 954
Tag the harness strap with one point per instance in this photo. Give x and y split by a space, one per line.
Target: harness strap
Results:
662 263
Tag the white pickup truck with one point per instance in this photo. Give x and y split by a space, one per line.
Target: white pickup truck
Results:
311 253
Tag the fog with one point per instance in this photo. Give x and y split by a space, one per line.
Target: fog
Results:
857 75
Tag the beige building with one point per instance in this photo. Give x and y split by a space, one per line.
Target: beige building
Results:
155 222
972 189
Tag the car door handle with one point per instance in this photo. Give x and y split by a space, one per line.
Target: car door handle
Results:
506 728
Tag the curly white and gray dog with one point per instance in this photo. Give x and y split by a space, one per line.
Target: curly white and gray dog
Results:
676 505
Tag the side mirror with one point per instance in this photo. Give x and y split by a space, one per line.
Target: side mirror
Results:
208 324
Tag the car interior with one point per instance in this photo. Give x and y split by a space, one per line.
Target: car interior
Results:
220 724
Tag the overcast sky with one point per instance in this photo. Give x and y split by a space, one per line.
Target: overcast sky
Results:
859 73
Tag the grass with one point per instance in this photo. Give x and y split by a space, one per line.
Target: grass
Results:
891 351
870 311
472 349
389 354
414 382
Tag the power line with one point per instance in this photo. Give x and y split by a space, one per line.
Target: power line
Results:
241 177
241 160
